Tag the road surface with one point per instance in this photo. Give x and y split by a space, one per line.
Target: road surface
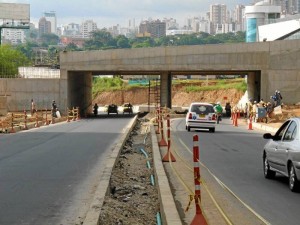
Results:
48 175
234 155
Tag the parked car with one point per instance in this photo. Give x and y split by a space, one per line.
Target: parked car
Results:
127 108
201 116
282 153
112 108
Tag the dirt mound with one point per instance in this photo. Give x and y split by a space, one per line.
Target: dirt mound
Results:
140 96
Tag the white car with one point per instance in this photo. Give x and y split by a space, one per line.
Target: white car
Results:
201 115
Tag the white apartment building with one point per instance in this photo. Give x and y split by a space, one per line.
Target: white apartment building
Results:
204 26
238 17
174 32
71 30
87 27
171 23
13 36
218 16
218 13
51 17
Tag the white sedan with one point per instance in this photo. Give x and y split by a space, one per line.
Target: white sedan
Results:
201 116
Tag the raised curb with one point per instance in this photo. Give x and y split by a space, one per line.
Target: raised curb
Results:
265 127
168 210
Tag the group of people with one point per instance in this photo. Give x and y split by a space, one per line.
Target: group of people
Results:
276 98
251 107
54 109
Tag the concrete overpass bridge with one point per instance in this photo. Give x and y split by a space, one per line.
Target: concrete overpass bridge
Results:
269 66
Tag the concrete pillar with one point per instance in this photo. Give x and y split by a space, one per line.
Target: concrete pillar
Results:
254 85
166 89
264 86
80 91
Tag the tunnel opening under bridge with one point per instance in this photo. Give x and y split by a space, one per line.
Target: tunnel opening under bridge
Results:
80 85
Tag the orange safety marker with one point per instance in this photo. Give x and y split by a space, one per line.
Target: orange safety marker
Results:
78 114
25 120
74 110
162 141
46 122
169 154
250 123
36 120
52 118
68 118
199 218
12 124
236 120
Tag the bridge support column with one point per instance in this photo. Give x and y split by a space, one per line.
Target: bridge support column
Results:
166 89
254 85
80 91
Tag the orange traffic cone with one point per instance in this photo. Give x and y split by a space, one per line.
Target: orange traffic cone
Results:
250 124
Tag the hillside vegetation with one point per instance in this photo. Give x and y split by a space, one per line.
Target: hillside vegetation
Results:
115 90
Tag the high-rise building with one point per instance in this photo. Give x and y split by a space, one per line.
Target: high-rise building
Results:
155 28
171 23
87 27
44 26
51 16
71 30
218 15
238 19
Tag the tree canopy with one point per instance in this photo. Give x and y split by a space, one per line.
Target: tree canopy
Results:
10 60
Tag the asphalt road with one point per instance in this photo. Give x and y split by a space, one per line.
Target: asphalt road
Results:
48 175
234 155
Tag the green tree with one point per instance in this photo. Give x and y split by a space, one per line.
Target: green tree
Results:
100 40
72 47
49 39
26 48
122 42
10 60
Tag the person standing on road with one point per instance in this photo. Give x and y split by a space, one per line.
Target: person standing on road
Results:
218 109
32 109
278 98
228 109
95 109
246 111
254 111
54 108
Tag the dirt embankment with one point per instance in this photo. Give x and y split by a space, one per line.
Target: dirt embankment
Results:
180 97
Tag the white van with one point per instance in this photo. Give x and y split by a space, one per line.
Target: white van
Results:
201 115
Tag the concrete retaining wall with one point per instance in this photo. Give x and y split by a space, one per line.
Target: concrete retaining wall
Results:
18 94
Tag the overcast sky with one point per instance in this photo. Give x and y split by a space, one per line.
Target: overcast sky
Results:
111 12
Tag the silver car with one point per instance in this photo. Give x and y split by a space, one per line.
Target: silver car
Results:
282 153
201 116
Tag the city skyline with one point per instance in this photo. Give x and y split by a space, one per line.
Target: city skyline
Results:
107 13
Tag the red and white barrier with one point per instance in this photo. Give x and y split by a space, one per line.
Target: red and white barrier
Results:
162 141
169 154
199 218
